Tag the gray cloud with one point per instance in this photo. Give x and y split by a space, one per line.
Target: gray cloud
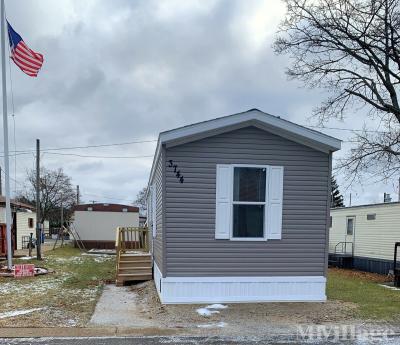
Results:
122 70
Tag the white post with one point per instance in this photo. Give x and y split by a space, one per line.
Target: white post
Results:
5 129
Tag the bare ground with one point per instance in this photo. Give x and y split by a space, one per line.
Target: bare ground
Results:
238 319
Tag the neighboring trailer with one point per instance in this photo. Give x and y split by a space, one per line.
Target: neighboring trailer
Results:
24 221
96 224
373 231
239 209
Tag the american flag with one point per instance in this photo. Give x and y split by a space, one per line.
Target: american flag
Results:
25 58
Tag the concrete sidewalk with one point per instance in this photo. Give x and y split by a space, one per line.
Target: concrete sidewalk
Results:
118 306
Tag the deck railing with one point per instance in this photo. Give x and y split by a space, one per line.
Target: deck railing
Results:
135 239
131 239
341 248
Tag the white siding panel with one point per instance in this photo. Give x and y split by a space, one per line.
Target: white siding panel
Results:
101 226
23 228
372 238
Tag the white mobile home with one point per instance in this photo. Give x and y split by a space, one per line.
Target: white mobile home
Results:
24 223
96 223
368 232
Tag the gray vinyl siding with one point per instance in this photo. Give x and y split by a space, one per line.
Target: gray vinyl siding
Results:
191 249
158 240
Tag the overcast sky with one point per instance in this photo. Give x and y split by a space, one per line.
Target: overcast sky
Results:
123 70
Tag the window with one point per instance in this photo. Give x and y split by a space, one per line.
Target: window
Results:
248 202
371 216
249 190
350 226
30 223
330 221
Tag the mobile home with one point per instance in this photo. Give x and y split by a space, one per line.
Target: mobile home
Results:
24 223
96 223
366 234
238 207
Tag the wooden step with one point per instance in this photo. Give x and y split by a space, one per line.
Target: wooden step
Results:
133 276
141 270
127 257
138 263
138 254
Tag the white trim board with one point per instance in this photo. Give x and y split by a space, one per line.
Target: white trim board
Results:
175 290
268 122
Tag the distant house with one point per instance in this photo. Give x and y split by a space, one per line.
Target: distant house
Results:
363 236
96 223
24 223
238 207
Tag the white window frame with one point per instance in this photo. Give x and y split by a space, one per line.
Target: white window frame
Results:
265 203
353 218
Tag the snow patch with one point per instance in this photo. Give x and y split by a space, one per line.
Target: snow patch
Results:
217 306
18 312
206 312
389 287
213 325
27 258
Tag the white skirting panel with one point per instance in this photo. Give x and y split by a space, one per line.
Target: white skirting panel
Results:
174 290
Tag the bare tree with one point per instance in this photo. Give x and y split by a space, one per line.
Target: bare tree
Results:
351 48
141 201
56 191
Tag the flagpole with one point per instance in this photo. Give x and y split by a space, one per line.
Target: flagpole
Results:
5 129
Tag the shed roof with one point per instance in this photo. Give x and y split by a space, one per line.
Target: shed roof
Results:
252 117
106 207
15 203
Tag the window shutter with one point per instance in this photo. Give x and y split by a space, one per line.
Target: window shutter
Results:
154 209
275 201
223 209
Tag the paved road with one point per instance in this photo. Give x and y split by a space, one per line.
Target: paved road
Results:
180 341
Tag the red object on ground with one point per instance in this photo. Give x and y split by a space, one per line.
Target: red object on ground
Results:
25 270
3 240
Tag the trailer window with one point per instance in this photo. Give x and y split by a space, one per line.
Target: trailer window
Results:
30 223
371 216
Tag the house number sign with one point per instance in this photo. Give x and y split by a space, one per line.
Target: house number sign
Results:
177 172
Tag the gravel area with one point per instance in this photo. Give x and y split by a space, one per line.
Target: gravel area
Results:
238 319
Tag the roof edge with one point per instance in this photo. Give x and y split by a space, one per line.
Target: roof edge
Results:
327 143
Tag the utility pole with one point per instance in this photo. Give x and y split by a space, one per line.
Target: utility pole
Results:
38 227
77 194
1 184
350 199
5 135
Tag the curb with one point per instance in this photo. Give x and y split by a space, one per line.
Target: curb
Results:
64 332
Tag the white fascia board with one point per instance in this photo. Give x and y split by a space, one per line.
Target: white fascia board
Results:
153 166
312 138
325 140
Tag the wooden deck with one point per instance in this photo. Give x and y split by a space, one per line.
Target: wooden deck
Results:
132 253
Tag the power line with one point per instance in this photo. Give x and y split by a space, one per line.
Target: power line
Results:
348 129
15 180
89 156
107 197
88 146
